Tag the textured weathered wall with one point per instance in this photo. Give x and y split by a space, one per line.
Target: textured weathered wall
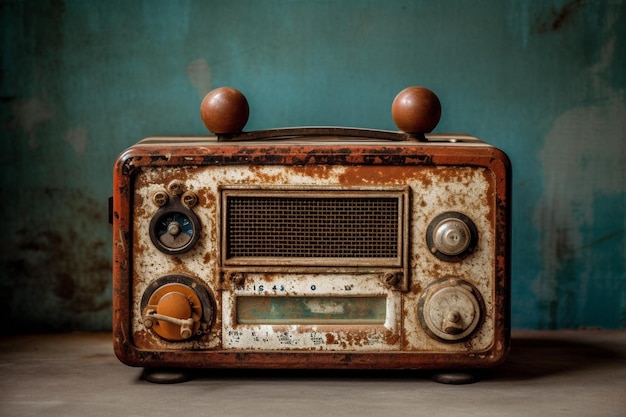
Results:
543 80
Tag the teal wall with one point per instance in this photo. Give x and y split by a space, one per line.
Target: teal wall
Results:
543 80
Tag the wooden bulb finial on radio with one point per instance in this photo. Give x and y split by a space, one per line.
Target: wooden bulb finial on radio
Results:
225 111
416 110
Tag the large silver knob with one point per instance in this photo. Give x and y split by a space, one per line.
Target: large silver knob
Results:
451 236
450 309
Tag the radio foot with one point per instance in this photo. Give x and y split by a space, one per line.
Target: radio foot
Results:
454 378
165 376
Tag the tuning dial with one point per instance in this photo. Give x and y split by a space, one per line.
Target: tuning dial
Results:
450 309
175 229
451 236
176 311
416 110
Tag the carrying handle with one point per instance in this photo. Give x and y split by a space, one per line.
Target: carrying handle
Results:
415 111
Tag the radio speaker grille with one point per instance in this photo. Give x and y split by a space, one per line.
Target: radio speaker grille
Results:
335 227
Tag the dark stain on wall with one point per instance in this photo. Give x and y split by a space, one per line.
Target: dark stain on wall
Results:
557 19
58 265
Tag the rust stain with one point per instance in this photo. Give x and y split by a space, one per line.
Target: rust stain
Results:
206 198
263 177
379 174
558 18
207 257
321 172
491 196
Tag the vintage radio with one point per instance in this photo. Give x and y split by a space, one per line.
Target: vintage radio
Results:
317 247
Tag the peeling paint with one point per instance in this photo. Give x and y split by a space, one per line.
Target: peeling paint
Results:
583 160
29 115
199 73
78 138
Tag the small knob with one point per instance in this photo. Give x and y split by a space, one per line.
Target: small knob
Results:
452 236
189 199
175 187
160 198
174 229
453 316
174 238
452 323
416 110
225 111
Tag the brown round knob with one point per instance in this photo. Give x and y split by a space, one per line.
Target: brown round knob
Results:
416 110
225 110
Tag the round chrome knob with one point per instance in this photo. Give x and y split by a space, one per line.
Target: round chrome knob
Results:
452 236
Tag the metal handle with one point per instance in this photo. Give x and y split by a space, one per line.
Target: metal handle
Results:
295 132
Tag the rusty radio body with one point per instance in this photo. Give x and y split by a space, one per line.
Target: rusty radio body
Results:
312 247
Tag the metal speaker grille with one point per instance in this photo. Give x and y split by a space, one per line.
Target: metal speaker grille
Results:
312 227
